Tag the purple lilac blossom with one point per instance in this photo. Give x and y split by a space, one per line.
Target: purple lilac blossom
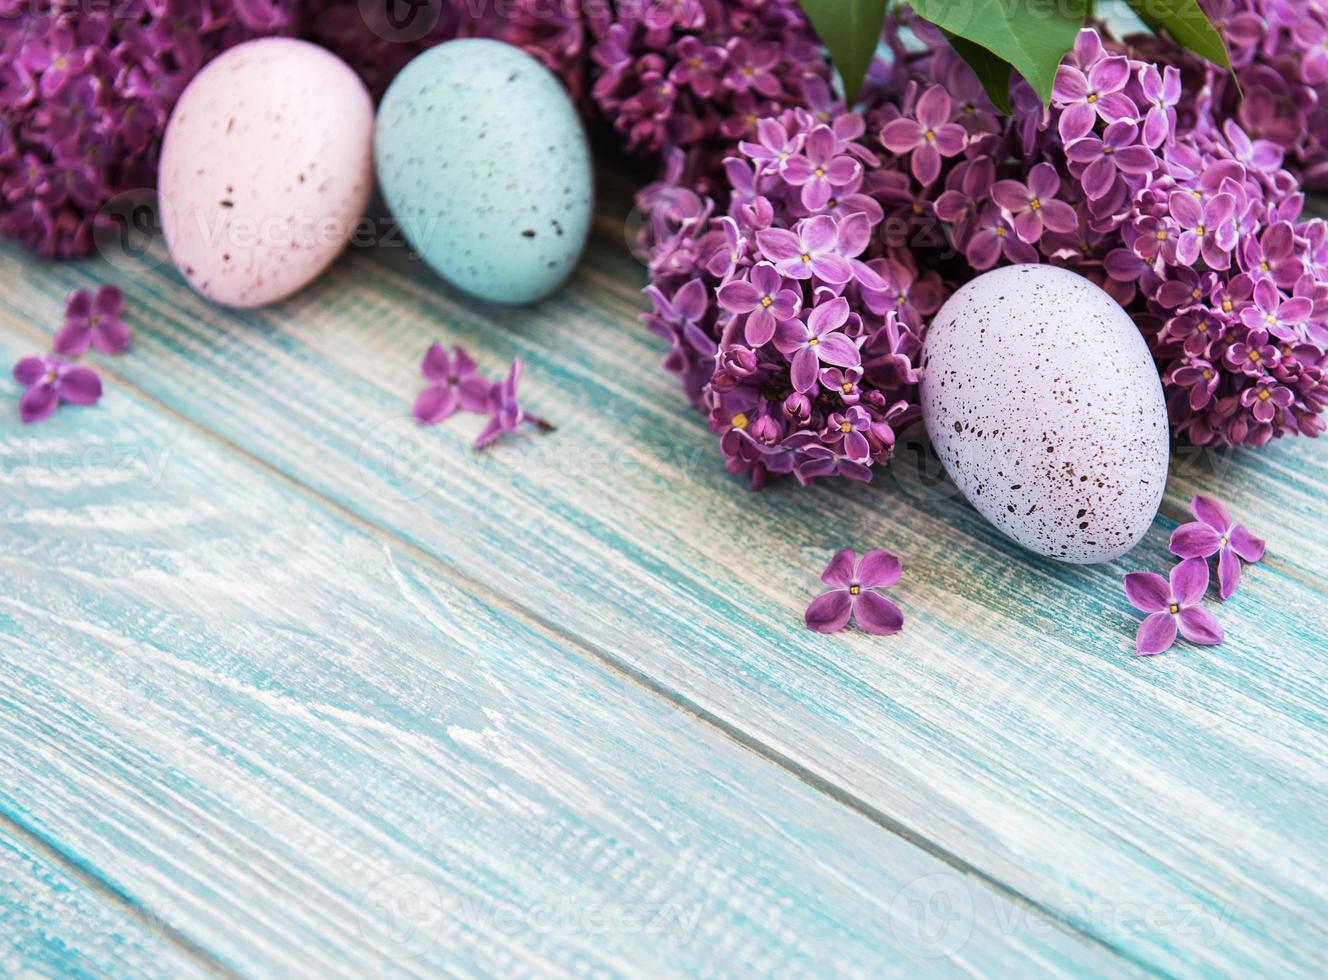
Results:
1215 533
456 385
50 380
86 94
1171 604
1194 227
96 321
86 89
854 595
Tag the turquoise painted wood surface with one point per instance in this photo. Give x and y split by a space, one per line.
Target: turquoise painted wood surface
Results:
305 748
1159 816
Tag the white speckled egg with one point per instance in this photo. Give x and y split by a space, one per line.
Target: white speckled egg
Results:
266 167
483 161
1043 403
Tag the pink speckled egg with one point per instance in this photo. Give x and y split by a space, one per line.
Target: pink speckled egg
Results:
266 167
1045 406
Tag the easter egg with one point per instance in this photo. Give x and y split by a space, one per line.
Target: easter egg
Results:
483 161
1043 403
266 168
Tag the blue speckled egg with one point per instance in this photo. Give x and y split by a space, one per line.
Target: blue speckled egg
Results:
483 160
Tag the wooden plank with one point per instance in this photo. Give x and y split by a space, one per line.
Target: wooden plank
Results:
312 753
53 924
1009 726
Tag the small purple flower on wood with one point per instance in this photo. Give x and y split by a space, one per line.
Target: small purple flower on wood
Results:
854 584
1215 533
49 381
505 411
1171 604
456 385
93 321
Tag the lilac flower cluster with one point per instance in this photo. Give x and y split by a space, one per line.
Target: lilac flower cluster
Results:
50 379
1279 50
1172 604
696 75
85 94
795 301
455 384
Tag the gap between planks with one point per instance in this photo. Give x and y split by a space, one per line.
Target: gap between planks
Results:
114 898
605 658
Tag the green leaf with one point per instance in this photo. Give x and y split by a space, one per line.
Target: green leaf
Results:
1188 26
850 30
992 71
1032 35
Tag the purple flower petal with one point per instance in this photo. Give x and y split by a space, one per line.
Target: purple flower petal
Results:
79 385
436 366
1246 544
38 402
436 403
1189 581
836 349
1211 513
1228 573
876 614
803 370
1199 626
830 612
879 570
1195 540
1147 591
839 573
29 370
1156 633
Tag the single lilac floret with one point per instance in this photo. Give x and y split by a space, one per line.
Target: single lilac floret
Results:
854 594
1215 533
1170 604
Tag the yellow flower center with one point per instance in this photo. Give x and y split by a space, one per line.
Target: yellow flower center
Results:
767 301
1196 292
740 421
855 590
819 172
1174 608
1226 306
1034 204
931 136
806 257
845 427
1163 235
1000 232
1199 232
1263 266
1254 356
1208 374
813 342
846 387
1092 97
1263 396
1269 319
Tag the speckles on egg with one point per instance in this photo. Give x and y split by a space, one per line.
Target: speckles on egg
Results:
1043 403
266 168
483 160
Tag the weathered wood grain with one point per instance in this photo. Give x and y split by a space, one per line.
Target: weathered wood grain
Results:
1008 727
307 750
53 925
